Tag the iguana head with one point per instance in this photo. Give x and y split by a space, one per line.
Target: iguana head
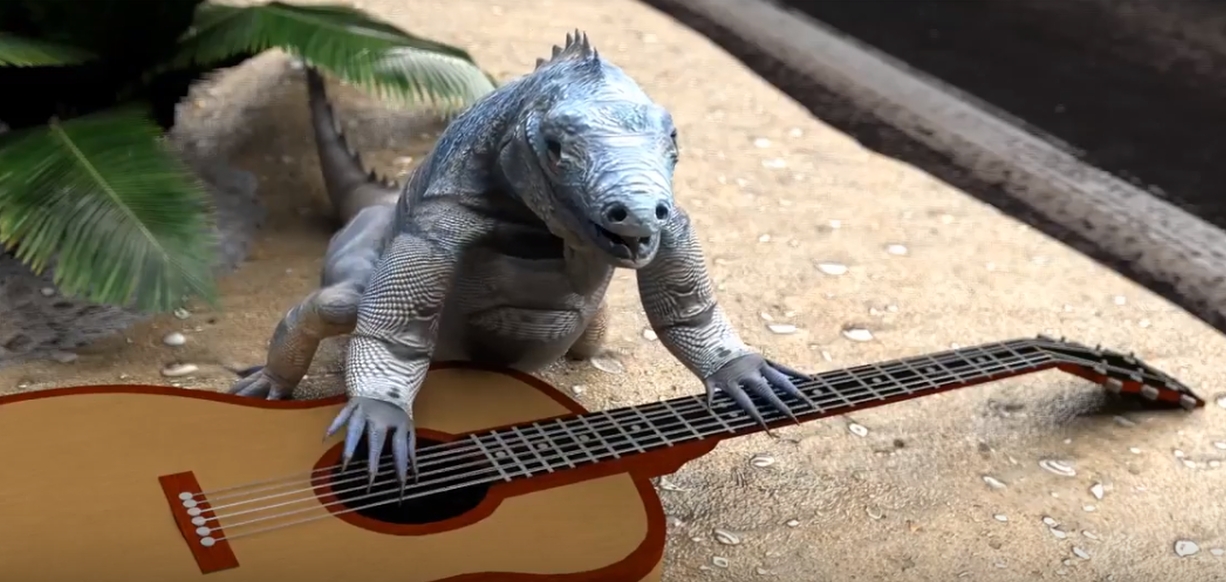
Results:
597 155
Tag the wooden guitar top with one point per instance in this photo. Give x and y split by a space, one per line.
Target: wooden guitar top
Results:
84 501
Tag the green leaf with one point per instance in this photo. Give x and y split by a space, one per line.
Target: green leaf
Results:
120 216
368 53
17 51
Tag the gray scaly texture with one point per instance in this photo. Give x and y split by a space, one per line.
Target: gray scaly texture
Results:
499 249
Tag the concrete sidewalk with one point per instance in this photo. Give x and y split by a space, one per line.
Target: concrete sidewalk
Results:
803 226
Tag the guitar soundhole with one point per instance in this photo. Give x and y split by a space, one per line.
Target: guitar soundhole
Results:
382 503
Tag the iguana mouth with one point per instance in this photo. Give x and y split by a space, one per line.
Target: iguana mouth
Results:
628 248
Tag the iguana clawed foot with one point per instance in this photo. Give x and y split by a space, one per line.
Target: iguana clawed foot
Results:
758 375
377 421
257 382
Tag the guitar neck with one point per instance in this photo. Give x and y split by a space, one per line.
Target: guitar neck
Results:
546 446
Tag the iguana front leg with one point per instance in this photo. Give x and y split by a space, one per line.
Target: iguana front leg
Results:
326 312
330 311
680 303
397 324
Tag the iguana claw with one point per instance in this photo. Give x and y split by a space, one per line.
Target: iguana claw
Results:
256 382
759 376
378 421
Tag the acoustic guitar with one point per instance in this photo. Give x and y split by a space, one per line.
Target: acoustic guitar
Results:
516 482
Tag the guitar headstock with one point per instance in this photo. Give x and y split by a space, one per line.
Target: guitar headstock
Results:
1119 373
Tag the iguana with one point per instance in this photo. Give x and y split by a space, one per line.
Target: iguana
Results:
499 249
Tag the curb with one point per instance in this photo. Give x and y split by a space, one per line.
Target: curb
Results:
1158 245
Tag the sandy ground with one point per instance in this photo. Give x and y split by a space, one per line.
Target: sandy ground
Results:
773 193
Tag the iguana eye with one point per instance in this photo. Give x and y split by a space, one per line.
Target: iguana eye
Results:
554 148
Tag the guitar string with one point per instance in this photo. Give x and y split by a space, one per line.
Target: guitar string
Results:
469 449
443 452
498 472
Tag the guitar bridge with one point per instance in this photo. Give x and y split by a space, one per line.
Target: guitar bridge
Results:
191 512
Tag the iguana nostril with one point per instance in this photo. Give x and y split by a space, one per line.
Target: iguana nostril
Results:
662 211
617 213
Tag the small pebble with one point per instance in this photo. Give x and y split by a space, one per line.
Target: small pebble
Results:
774 164
1090 535
1049 522
177 370
726 537
1119 300
64 357
761 461
174 339
578 389
1000 517
782 328
667 485
1185 548
608 364
1097 491
650 335
1220 445
764 238
1178 454
1123 421
1219 552
719 561
1134 450
993 482
833 269
1221 401
1088 508
181 313
1080 553
761 142
1058 533
792 522
857 334
47 291
1057 467
857 429
896 249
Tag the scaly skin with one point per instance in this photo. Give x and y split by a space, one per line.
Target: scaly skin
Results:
500 249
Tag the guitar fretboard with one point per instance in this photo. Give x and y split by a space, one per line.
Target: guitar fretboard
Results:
536 448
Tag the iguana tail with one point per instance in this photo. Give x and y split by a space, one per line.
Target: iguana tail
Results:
350 186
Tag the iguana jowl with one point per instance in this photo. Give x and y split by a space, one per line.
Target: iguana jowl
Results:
500 247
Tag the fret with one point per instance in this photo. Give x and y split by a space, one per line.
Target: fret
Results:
552 443
668 405
839 393
800 387
533 450
570 433
882 378
617 425
952 376
710 410
663 439
493 459
995 363
1026 364
927 383
511 452
600 437
977 372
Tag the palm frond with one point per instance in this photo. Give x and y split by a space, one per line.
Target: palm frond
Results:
19 51
119 215
361 50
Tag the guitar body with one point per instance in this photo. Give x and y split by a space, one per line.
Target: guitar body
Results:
87 492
